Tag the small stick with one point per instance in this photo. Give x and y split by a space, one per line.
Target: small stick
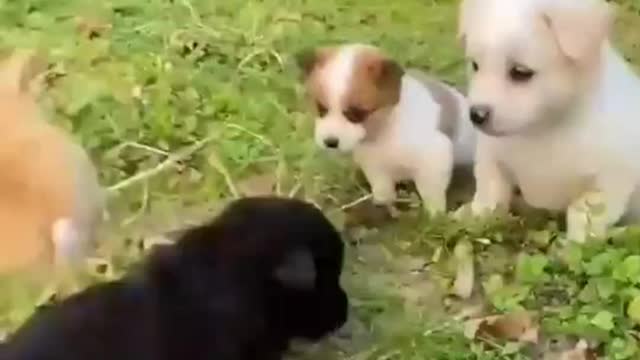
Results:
355 202
170 161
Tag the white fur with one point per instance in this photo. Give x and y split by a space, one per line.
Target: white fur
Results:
338 74
560 148
412 148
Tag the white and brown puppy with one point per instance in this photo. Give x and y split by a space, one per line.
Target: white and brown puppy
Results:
50 198
399 125
557 106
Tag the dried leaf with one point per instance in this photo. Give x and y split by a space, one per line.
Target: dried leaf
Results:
580 352
367 214
463 285
517 326
91 28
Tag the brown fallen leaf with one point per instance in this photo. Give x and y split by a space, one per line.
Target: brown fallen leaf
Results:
367 214
91 28
463 284
256 185
515 326
580 352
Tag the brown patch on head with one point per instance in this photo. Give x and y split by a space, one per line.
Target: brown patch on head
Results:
309 61
374 90
449 109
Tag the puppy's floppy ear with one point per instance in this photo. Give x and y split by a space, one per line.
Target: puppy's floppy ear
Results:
580 26
386 74
19 71
390 72
297 271
309 58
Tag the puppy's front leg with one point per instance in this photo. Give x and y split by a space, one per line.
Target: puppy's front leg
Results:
432 179
594 211
383 187
493 189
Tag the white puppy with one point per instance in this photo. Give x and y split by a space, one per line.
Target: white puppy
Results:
398 125
558 108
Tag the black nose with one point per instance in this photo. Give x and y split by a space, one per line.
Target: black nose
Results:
480 114
331 142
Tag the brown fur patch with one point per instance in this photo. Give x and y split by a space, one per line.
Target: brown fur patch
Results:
449 109
310 61
375 88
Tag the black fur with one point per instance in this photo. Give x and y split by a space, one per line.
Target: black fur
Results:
264 271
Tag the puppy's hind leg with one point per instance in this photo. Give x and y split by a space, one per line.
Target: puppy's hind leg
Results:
69 252
593 212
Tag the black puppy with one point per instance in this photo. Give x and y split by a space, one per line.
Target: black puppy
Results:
266 270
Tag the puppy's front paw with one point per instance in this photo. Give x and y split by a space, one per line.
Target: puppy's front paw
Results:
383 194
586 217
479 208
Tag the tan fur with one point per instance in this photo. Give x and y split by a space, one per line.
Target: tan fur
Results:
376 82
310 61
38 179
375 87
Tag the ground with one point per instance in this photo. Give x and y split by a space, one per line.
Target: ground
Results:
184 104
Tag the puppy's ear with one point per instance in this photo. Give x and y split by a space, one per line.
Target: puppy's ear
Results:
580 26
386 74
20 70
308 59
390 72
297 271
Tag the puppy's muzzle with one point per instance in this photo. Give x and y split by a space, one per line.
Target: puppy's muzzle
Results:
480 115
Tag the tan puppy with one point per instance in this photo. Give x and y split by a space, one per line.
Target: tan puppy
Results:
50 198
398 124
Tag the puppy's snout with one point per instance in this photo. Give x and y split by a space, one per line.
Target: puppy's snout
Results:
331 142
480 114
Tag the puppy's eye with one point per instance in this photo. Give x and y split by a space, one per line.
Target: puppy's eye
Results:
519 73
356 114
322 110
474 66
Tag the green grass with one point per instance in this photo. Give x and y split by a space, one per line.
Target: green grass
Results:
161 76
